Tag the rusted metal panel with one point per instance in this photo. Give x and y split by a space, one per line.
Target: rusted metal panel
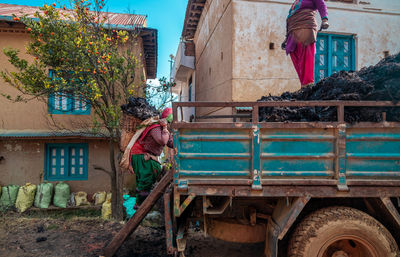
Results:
315 191
341 159
291 181
169 233
234 231
391 209
271 242
256 163
287 214
283 217
181 236
215 210
180 208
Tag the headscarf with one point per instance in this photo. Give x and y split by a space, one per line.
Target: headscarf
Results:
167 114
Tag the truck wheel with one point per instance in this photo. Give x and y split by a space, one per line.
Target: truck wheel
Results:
341 232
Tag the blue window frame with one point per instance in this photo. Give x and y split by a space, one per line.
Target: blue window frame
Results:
62 103
66 161
334 53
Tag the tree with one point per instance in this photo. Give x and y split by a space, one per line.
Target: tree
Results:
159 93
87 59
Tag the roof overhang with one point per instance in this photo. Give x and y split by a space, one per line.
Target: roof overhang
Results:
194 10
150 45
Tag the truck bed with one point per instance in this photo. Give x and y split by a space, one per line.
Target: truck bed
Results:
257 156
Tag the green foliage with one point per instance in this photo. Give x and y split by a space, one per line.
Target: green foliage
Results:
160 95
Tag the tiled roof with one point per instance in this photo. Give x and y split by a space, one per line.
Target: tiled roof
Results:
122 20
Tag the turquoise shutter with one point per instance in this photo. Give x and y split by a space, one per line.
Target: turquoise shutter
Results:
334 53
66 161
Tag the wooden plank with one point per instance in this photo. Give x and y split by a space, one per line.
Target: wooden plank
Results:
134 222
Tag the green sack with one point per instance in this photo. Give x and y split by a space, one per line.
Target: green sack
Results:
9 195
61 195
43 196
25 198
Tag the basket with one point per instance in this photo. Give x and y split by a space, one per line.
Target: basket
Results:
128 124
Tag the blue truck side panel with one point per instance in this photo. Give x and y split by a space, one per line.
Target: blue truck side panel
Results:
298 152
373 153
229 154
214 153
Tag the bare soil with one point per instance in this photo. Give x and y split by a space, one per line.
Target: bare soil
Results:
32 235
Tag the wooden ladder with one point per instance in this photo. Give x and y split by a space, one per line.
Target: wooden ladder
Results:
139 215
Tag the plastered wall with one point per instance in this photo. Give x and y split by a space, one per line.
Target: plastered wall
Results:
24 162
238 55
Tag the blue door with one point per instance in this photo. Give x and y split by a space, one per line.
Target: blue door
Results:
334 53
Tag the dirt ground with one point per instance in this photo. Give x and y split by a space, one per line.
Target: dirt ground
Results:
35 235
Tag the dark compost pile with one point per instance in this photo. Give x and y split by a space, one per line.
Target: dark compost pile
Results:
139 108
375 83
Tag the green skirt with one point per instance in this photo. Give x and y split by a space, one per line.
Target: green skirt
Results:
146 172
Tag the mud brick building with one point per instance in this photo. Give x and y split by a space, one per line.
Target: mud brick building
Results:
31 148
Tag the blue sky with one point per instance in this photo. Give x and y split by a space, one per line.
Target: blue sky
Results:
166 16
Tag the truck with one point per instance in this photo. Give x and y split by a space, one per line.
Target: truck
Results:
306 189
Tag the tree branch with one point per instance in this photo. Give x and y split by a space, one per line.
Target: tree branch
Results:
96 167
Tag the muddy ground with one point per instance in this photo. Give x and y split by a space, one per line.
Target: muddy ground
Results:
31 235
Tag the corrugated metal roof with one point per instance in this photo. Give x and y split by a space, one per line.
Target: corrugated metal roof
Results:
34 134
120 20
115 20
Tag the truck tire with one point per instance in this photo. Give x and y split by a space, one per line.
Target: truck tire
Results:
341 232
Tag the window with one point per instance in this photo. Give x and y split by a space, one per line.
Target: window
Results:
334 53
66 161
63 103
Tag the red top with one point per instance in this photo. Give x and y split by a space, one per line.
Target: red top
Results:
152 141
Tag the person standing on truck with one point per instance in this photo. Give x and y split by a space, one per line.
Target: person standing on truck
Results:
301 35
145 152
